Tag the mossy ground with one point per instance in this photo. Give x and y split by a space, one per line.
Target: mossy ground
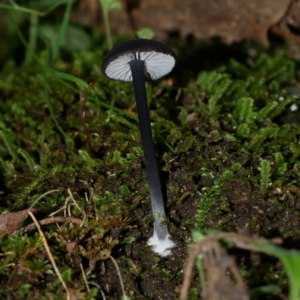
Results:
227 143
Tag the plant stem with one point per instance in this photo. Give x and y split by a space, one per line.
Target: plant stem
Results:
105 12
33 33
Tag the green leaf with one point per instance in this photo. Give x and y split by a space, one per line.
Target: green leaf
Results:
244 109
61 33
291 262
281 165
265 111
24 289
128 240
243 130
197 236
92 294
110 5
265 173
145 33
75 38
270 289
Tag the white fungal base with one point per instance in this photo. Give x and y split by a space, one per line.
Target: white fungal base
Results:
161 247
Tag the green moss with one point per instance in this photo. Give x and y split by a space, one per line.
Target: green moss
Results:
230 143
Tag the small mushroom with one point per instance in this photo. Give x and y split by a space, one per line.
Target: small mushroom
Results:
136 61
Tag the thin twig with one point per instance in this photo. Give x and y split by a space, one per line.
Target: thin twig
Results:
60 209
119 274
99 287
45 194
33 209
84 278
51 258
46 222
77 206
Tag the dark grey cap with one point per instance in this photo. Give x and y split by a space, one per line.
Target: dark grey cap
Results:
159 59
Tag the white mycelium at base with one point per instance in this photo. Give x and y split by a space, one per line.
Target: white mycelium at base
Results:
161 247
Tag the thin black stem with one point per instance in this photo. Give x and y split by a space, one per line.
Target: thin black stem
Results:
137 69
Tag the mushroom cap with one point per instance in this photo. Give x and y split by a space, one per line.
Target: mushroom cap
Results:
159 59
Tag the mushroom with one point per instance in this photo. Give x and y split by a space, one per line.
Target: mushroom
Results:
136 61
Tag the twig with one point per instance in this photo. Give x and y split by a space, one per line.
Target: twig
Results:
51 258
46 222
193 252
45 194
240 241
84 278
64 208
77 206
99 287
119 274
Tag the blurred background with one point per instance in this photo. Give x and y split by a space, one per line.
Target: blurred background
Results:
231 21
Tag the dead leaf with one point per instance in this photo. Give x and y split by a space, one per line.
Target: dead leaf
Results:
12 221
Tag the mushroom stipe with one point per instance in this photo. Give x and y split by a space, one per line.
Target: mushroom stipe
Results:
136 61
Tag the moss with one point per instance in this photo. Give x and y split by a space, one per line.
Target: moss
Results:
227 147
